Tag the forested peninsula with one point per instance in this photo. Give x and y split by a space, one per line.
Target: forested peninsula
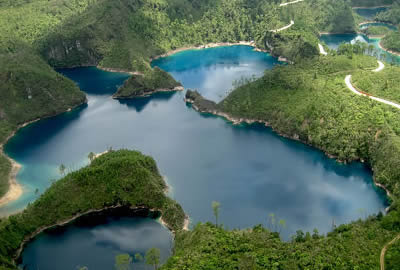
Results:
117 179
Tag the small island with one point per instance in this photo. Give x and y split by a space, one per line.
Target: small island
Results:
153 81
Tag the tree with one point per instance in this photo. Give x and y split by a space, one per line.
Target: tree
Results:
138 257
123 262
247 262
271 222
282 225
216 207
62 169
91 156
153 257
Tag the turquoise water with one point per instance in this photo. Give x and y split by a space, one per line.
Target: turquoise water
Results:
95 242
390 26
248 168
369 13
334 40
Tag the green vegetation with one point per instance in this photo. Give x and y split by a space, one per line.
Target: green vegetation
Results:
352 246
125 34
376 31
384 84
391 15
153 257
119 178
392 261
143 85
29 89
392 41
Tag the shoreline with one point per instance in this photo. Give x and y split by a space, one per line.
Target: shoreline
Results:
295 137
387 50
207 46
15 189
120 70
381 6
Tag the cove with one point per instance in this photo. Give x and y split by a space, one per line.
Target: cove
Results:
94 241
334 40
248 168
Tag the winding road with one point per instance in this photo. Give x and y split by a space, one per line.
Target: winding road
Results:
289 3
283 28
360 93
384 249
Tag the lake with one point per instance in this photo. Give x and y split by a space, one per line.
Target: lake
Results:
94 241
334 40
250 169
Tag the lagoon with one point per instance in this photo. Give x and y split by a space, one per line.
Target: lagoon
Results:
250 169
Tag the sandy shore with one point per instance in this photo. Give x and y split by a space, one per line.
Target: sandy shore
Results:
15 189
120 70
387 50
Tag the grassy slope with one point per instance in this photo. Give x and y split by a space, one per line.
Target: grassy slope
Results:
153 80
384 84
123 177
29 89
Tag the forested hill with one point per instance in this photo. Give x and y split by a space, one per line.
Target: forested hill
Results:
126 33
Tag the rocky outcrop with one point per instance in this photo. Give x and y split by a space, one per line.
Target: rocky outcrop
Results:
70 53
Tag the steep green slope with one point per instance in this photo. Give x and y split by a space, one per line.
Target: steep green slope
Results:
125 34
119 178
29 89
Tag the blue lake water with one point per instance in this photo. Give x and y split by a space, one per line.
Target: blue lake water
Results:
334 40
248 168
95 244
390 26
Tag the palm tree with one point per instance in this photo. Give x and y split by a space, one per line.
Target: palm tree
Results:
153 257
91 156
216 206
62 169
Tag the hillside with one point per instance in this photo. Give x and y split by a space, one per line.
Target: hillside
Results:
29 89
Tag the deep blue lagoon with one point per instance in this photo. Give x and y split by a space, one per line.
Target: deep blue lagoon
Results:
248 168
